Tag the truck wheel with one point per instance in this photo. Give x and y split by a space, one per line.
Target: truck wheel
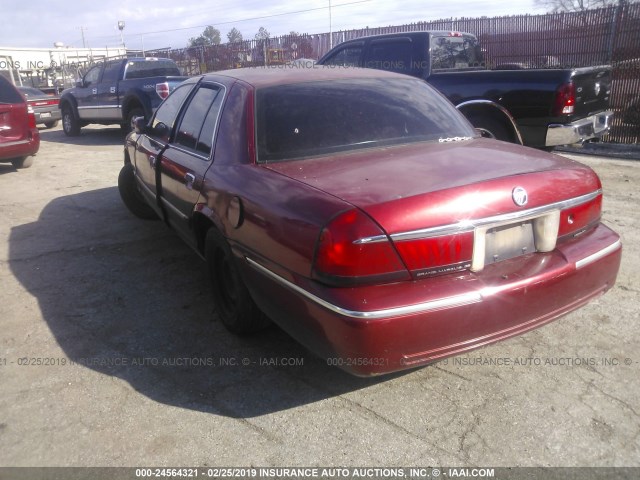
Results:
133 113
22 162
131 196
51 124
491 128
234 305
70 123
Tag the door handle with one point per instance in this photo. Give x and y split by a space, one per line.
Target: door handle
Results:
152 161
189 180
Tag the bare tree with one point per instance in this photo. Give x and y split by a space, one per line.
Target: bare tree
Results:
575 5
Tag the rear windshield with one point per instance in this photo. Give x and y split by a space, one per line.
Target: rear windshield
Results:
151 68
32 92
455 52
8 93
317 118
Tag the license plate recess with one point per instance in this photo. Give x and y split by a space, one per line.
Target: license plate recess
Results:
495 242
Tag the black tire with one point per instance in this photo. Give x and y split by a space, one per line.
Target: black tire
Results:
133 113
492 128
70 123
22 162
51 124
131 196
234 305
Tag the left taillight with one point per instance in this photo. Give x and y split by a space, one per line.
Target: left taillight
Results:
430 256
352 249
565 101
162 89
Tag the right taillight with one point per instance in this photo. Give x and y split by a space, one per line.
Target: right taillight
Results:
575 220
353 249
565 100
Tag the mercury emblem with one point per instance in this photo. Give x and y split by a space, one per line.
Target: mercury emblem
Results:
520 196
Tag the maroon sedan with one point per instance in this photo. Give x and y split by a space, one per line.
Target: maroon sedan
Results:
19 137
362 213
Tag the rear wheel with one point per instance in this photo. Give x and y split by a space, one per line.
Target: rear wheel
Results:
491 128
22 162
70 123
51 124
133 113
131 196
234 305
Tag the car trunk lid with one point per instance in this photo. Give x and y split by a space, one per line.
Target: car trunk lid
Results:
425 176
39 102
434 201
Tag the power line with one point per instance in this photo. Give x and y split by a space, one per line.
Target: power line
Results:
252 19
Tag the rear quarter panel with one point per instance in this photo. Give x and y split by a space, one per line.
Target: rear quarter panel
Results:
527 94
280 217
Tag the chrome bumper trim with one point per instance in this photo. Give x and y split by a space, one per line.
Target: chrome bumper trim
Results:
580 130
598 255
469 225
439 304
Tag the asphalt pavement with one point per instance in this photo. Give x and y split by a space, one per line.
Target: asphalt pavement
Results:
110 354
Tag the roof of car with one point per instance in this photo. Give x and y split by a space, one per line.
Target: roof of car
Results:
288 74
435 33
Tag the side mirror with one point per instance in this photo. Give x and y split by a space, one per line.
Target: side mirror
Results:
139 125
162 131
80 83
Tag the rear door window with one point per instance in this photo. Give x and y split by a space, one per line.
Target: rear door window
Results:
393 55
8 93
198 122
169 109
350 56
111 72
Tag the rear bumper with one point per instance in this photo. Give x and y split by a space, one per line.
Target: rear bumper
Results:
46 116
580 130
20 148
380 329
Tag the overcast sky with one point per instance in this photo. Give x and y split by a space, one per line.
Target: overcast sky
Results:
170 23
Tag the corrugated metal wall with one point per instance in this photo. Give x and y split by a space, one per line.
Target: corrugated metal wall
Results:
576 39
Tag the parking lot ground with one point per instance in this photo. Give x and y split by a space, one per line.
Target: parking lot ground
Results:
110 354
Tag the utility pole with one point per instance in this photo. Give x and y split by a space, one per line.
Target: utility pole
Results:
121 28
84 45
330 33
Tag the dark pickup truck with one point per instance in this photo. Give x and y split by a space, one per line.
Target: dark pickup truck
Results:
536 107
116 91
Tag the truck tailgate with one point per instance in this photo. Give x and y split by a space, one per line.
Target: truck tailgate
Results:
593 89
